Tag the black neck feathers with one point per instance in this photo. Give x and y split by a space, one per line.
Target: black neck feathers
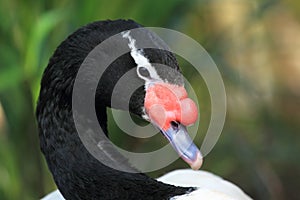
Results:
76 172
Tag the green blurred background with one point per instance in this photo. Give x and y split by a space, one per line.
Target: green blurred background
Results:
255 43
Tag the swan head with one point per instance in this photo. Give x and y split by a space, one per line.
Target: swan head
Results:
165 101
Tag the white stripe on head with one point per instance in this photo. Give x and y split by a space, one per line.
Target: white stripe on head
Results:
141 60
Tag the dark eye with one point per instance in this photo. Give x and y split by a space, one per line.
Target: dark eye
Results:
143 71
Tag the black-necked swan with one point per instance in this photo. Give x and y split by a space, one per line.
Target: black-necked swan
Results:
77 173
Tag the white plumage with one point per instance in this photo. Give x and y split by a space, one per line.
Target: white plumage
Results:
210 186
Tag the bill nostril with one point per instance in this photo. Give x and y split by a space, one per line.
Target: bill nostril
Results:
175 125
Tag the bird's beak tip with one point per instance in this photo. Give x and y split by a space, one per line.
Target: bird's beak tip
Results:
197 163
183 144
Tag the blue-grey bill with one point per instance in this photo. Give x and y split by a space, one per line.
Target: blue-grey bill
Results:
184 146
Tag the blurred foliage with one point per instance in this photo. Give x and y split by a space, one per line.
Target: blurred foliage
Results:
255 43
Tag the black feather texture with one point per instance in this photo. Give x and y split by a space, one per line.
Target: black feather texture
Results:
77 173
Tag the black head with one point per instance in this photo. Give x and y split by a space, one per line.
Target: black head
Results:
69 161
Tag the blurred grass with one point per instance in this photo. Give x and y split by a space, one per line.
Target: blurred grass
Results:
254 43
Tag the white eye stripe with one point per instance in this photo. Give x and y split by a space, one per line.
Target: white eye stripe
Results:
140 59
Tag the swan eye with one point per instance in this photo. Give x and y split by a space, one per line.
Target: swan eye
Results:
144 72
